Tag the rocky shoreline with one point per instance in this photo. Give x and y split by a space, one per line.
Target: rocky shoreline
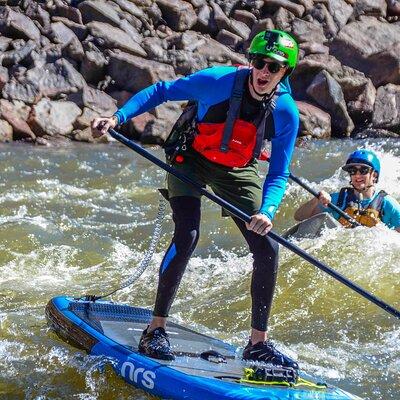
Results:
64 62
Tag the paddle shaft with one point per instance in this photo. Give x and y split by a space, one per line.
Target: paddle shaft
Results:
332 206
246 218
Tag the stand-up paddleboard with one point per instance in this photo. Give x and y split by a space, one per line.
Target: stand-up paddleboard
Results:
205 368
312 227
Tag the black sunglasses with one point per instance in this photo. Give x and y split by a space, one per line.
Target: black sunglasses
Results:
361 170
260 63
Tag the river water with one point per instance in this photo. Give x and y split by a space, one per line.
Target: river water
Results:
77 220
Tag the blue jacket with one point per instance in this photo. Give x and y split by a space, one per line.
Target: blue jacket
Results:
390 208
211 86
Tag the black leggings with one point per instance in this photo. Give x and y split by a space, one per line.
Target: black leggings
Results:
186 215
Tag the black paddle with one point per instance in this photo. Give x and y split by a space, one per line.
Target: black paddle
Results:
246 218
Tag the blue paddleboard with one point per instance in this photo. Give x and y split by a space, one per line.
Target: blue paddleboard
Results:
205 368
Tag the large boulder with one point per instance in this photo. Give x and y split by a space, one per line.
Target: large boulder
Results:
231 25
4 77
376 8
52 118
59 78
358 41
101 11
93 66
134 73
179 15
387 108
359 92
341 11
19 54
113 37
384 67
67 38
64 10
95 99
326 92
80 30
9 113
6 131
18 25
313 121
4 43
131 8
307 31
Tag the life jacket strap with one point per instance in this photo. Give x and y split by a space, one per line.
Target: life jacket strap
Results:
234 106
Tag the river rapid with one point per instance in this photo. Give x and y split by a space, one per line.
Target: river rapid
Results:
78 220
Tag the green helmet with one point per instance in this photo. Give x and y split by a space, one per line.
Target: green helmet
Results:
275 44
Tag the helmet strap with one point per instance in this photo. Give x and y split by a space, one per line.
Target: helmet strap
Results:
264 97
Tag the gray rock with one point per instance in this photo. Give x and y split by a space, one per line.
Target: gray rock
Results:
18 25
65 36
131 31
26 92
376 8
291 6
155 49
93 66
283 19
321 14
359 40
359 93
79 29
180 15
358 90
314 48
131 8
134 73
21 129
213 51
115 38
6 132
384 67
308 31
98 101
85 119
307 4
35 12
63 10
340 11
245 16
99 11
53 117
314 121
228 38
17 56
205 21
326 92
55 79
4 77
4 43
387 108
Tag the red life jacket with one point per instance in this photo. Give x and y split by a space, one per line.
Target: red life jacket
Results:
241 145
235 142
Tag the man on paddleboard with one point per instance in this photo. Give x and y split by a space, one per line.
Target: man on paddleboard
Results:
361 200
232 111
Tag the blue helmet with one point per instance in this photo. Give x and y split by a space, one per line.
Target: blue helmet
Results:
363 157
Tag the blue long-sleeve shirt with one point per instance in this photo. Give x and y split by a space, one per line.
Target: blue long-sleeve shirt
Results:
212 86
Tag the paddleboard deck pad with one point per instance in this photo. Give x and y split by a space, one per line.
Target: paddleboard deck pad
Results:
205 368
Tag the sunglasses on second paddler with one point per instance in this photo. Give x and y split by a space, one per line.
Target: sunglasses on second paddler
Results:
260 63
362 170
